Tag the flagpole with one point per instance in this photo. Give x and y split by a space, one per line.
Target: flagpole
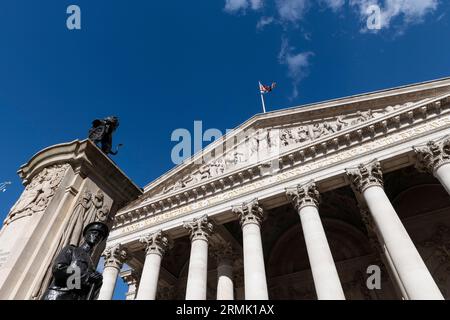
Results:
263 104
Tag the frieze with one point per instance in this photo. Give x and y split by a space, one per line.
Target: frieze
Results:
325 161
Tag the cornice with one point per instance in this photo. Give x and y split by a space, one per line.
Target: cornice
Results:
374 128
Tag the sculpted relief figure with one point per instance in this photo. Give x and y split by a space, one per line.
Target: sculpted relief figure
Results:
38 193
264 142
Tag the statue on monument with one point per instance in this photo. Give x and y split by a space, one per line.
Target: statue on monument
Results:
102 131
74 274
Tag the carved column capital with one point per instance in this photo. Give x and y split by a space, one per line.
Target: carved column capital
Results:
115 256
155 243
304 195
433 155
223 252
199 228
249 212
366 175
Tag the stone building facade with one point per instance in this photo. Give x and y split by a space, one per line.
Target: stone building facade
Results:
300 203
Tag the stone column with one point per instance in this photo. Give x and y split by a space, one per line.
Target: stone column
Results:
114 257
156 245
131 278
367 179
200 230
434 158
223 254
251 215
326 280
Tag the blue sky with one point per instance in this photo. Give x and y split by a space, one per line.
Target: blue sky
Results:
162 65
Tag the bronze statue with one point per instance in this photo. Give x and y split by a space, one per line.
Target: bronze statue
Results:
74 274
102 131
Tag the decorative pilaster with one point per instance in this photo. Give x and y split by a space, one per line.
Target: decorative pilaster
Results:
366 176
156 245
251 215
305 199
434 158
115 257
200 230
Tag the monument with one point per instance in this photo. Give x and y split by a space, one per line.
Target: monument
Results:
74 274
67 187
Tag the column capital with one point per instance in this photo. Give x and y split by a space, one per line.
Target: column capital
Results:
249 212
433 155
199 228
115 256
366 175
155 243
304 195
223 252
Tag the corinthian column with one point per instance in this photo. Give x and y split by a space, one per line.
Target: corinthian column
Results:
434 158
326 280
156 246
200 230
114 257
251 215
367 179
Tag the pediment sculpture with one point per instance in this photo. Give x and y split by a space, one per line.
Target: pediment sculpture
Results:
264 143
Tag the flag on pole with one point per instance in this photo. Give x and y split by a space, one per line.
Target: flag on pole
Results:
263 90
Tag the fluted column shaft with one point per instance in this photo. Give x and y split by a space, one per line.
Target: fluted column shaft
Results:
416 279
200 230
326 279
114 257
156 245
255 282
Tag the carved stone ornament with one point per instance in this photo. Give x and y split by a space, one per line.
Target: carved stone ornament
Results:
366 175
115 256
263 143
304 195
38 193
433 155
249 212
199 228
156 243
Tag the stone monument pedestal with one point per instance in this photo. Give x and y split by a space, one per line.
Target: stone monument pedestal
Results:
67 186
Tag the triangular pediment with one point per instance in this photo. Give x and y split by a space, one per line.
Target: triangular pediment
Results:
265 136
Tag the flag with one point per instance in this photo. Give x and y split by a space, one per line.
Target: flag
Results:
265 89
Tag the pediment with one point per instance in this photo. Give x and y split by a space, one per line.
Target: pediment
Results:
267 135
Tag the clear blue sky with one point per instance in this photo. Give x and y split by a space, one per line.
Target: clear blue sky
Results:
160 65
